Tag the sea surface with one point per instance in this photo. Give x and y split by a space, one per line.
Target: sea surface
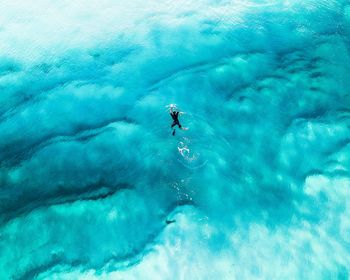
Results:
93 185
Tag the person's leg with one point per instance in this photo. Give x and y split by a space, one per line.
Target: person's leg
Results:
174 123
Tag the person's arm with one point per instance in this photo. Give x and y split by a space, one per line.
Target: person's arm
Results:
172 107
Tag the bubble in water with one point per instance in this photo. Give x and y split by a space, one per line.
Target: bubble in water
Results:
189 157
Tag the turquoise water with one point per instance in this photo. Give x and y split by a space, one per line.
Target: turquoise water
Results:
93 184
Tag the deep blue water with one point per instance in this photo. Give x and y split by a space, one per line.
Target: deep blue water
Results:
94 186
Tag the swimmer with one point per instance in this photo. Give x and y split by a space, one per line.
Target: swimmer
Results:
175 116
168 222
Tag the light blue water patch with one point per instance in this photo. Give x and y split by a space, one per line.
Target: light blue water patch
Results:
93 185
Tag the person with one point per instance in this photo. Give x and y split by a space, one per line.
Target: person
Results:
175 117
168 222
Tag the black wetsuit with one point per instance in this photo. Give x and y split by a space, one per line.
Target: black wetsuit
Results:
175 116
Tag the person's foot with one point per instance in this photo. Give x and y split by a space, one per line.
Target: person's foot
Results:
173 132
